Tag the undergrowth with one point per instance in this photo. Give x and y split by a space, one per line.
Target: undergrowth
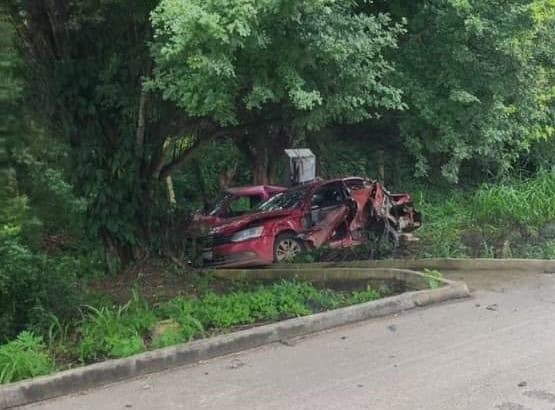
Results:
118 331
514 218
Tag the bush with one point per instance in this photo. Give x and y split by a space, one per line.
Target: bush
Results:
364 296
433 277
170 337
120 331
24 357
32 287
279 301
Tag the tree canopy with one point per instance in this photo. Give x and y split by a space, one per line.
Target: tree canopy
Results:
267 70
478 80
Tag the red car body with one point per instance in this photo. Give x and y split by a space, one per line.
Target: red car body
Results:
335 212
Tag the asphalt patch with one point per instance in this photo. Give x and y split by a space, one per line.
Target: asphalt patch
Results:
511 406
540 395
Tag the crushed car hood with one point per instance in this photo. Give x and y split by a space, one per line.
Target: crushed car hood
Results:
241 222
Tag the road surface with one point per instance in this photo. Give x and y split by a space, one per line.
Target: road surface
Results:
495 350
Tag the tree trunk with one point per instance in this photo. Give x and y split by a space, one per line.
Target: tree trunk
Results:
259 169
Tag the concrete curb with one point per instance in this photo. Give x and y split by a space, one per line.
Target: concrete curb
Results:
96 375
441 264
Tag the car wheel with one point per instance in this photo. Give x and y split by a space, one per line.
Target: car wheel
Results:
286 247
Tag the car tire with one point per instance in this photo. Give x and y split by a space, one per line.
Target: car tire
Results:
286 247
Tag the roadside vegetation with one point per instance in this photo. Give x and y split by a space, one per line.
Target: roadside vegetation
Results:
512 218
121 118
109 331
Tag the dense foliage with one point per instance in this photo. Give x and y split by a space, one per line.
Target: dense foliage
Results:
267 70
478 79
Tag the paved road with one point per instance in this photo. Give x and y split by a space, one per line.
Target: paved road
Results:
493 351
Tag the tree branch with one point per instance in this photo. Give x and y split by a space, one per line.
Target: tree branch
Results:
140 135
169 168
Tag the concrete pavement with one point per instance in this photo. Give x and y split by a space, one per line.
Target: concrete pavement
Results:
493 351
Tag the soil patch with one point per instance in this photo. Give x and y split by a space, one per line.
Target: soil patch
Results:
157 282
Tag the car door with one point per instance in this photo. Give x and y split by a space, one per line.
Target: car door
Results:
328 211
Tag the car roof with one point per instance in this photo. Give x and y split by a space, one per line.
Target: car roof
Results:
255 189
259 189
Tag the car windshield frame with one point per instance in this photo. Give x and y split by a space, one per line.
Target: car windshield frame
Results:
289 199
217 206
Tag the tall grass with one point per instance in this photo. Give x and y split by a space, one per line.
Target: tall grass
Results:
521 204
479 223
446 216
115 332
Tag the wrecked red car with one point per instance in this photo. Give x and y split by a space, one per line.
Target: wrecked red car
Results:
336 213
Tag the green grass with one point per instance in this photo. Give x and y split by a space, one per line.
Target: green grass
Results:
526 203
286 299
119 331
445 218
457 223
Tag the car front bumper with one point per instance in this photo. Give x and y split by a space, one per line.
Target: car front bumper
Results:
252 252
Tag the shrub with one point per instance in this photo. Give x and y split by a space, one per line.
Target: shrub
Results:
215 311
291 297
24 357
179 309
32 287
122 331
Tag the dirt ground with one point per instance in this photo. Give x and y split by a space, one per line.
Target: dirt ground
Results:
157 282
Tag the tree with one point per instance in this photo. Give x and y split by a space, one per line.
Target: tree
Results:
478 80
84 66
267 70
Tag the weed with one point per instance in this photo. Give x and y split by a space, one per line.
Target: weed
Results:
433 277
58 337
115 332
367 295
445 220
170 337
24 357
